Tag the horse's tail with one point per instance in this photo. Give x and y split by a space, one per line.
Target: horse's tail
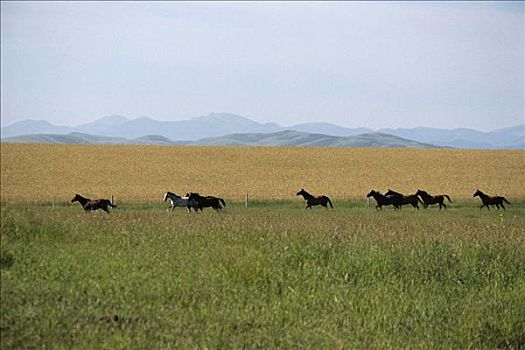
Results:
329 202
112 205
505 200
222 201
447 197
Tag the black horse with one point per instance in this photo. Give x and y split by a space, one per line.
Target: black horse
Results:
313 201
430 200
95 204
487 200
401 199
383 200
200 202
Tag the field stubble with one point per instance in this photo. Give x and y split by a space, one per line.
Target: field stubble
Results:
144 173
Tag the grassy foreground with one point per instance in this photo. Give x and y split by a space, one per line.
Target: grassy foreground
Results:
270 276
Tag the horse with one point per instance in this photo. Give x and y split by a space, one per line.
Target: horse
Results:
95 204
382 200
487 200
430 200
401 199
201 202
312 201
178 201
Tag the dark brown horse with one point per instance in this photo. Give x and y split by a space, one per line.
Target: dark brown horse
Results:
200 202
382 200
95 204
313 201
401 199
431 200
487 200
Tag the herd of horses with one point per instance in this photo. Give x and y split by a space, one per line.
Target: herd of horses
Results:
397 200
195 201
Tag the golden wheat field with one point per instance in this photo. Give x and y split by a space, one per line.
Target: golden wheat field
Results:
37 172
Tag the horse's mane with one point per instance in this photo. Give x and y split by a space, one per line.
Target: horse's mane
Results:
481 194
78 195
375 194
305 193
391 192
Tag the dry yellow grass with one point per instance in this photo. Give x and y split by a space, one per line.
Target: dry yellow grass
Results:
36 172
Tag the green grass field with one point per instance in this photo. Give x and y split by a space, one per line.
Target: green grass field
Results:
270 276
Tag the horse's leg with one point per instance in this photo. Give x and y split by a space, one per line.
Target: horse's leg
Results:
503 206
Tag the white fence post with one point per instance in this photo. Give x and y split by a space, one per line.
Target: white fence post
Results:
53 203
246 201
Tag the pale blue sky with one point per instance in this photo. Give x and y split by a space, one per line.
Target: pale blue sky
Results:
356 64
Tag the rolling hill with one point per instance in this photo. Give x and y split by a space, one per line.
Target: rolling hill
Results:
302 139
290 138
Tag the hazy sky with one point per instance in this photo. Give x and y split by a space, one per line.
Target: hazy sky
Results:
356 64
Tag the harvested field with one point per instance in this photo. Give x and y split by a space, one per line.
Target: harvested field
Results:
144 173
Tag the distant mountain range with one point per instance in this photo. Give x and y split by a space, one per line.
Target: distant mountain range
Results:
231 129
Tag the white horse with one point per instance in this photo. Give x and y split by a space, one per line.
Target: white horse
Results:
178 201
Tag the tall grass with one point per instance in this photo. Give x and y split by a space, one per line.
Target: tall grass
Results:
270 276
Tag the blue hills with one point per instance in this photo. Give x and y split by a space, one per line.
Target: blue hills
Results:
231 129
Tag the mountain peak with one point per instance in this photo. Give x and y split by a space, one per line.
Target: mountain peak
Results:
223 117
104 122
144 119
113 119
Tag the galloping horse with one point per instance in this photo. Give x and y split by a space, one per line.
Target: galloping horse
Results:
95 204
487 200
382 200
401 199
201 202
430 200
312 201
178 201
